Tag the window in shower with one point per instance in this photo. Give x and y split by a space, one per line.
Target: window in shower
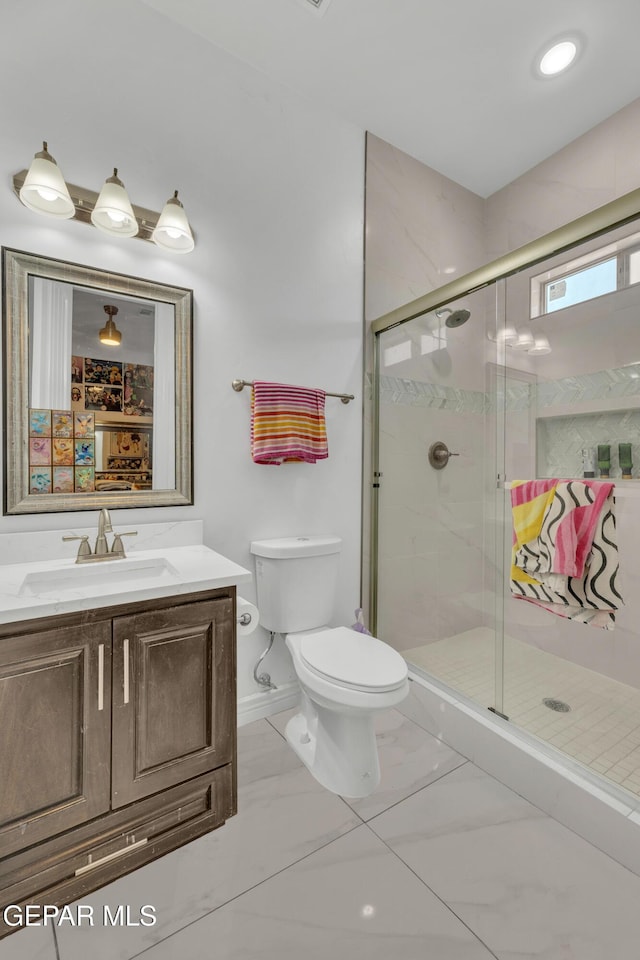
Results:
603 270
583 285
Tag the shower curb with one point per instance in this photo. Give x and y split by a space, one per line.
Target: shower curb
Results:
604 815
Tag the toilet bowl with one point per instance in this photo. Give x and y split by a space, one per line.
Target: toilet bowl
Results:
346 677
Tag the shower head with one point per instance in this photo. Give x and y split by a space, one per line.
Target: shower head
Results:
456 317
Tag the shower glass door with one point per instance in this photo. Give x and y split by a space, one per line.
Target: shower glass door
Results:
573 410
439 557
534 376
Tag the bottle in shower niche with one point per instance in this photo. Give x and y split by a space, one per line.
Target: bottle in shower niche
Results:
604 459
624 459
588 462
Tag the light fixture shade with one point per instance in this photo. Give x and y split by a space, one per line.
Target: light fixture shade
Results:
172 231
44 189
524 342
113 213
110 335
541 347
507 335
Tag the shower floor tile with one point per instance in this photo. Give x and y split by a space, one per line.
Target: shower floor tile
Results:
602 727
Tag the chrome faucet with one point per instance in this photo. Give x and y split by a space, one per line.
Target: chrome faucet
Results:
101 550
104 527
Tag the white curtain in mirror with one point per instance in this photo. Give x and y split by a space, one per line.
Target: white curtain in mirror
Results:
164 409
51 344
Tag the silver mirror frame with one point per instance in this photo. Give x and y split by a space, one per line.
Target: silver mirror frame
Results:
17 267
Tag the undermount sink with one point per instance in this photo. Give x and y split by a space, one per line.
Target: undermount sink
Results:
101 575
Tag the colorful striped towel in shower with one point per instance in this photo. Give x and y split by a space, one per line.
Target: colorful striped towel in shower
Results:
565 557
287 424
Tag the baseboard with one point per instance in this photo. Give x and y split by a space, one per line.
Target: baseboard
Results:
259 705
602 813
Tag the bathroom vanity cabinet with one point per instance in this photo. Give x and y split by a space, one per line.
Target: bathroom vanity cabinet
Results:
117 740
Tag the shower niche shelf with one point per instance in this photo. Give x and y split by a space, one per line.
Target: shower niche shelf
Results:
560 440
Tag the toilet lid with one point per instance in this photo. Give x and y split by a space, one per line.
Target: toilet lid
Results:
353 659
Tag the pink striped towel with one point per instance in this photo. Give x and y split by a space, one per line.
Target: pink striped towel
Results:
287 424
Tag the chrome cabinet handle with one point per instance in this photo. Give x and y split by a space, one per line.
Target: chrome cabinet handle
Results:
126 670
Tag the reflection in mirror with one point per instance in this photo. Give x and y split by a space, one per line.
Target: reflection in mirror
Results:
102 415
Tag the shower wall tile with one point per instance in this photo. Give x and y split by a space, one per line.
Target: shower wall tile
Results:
419 393
561 440
422 229
592 170
418 225
431 522
408 588
620 383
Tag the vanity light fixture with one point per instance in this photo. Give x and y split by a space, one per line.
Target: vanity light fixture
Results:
110 335
42 189
172 231
525 341
507 335
113 213
541 347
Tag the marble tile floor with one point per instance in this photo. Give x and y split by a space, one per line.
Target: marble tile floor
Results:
602 728
442 863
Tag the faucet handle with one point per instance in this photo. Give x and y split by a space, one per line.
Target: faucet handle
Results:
84 550
117 546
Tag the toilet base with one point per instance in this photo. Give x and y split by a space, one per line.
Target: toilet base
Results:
339 749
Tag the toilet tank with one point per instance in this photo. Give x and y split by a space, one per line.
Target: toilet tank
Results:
296 580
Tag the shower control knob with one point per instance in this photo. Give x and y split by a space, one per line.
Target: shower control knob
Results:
439 454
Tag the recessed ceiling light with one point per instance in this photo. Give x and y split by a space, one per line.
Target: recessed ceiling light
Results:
557 58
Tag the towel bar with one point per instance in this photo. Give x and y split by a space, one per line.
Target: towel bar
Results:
240 384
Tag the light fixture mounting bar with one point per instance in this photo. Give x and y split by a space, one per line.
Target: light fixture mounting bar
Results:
85 200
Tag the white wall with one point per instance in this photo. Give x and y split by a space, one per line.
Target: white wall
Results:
274 191
592 170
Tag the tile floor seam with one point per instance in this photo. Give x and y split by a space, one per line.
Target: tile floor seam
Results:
425 786
433 892
542 812
56 945
243 892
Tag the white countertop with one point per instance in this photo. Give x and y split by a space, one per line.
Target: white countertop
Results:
48 587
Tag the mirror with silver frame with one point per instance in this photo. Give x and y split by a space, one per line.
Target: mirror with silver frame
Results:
98 391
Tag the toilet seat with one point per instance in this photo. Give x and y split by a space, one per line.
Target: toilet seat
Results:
353 660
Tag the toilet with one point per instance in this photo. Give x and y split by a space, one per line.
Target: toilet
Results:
345 676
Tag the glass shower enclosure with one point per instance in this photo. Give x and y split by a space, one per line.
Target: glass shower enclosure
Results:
528 368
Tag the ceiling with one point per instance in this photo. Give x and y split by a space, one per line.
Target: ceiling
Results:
451 83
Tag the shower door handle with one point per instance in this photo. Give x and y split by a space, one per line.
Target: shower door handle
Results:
439 454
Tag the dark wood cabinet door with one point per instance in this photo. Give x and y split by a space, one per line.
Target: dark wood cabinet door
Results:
174 698
55 732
